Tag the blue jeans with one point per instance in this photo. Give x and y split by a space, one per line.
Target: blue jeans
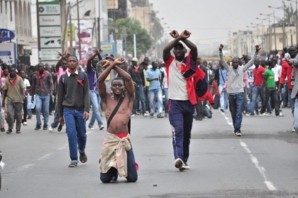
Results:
95 101
181 118
223 97
295 113
165 99
76 131
155 100
132 175
140 97
42 105
56 119
236 105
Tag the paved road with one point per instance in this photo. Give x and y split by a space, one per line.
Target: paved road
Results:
262 163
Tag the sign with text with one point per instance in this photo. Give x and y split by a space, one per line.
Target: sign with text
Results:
49 20
50 31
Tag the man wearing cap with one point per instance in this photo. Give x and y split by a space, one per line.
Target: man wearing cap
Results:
180 68
42 87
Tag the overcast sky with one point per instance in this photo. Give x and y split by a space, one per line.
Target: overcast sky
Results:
211 21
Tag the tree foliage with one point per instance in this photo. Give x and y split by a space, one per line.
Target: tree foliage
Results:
126 28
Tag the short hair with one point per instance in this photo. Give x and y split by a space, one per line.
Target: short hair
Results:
117 78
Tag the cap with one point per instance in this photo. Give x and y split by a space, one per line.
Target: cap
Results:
134 59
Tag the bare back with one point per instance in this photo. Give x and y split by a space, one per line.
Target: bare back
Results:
119 123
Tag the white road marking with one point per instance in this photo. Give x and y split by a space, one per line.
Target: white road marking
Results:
26 166
45 156
254 160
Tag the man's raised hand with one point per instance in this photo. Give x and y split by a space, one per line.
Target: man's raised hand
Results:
119 60
257 49
104 63
174 34
185 34
221 46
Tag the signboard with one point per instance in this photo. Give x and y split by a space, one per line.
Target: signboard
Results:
49 18
48 9
50 42
6 35
8 53
50 54
107 48
53 20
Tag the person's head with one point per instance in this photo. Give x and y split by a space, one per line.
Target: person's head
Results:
134 61
72 62
236 62
257 62
179 51
292 51
12 72
94 61
41 67
64 64
270 64
144 65
275 60
154 65
117 86
147 60
263 63
23 74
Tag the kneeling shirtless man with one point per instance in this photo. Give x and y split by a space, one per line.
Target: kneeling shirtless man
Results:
117 156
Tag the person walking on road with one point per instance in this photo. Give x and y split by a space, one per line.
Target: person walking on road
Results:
180 68
42 87
92 72
235 87
117 157
73 106
13 92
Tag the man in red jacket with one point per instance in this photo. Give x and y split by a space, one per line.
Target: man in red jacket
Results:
180 68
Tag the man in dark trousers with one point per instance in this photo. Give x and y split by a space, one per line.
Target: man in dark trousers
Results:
180 68
73 106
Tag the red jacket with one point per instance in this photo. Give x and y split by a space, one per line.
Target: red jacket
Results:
286 73
189 81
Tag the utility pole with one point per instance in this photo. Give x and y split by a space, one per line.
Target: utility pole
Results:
79 29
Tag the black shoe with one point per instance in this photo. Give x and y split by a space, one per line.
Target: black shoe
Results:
2 129
60 127
9 131
37 127
83 157
45 127
18 131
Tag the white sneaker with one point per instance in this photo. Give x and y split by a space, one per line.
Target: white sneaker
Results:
185 167
101 127
50 129
280 115
179 163
25 123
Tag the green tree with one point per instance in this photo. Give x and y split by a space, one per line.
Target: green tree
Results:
126 28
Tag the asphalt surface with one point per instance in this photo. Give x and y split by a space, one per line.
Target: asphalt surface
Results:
261 163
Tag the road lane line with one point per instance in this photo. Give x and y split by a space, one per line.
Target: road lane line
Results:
253 159
26 166
45 156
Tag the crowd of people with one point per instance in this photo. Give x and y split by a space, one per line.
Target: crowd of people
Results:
181 87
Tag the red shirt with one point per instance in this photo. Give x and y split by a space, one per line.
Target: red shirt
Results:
286 74
258 76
